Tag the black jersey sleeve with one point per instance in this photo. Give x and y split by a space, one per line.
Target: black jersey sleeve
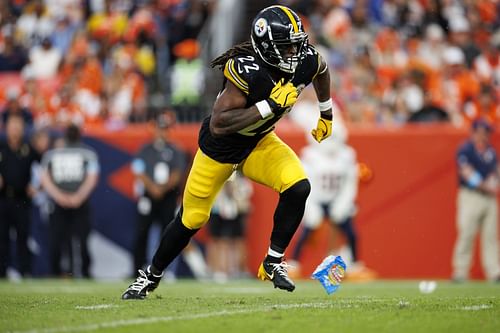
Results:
314 59
308 68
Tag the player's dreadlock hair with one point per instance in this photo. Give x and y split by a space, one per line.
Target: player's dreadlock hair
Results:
242 48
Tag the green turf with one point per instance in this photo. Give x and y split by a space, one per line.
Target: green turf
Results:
248 306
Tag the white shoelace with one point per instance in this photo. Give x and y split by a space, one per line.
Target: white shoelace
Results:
141 282
281 268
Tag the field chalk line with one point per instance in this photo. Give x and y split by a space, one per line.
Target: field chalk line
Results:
95 307
152 320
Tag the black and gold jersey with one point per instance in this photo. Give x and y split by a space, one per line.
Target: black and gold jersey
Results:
255 79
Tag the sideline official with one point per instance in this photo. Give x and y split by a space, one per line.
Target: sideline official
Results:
16 160
69 176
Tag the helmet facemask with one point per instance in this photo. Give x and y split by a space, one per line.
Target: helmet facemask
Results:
290 52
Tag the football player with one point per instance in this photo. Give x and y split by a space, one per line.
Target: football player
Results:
262 80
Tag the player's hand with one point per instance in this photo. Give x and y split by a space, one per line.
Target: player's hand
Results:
323 129
282 96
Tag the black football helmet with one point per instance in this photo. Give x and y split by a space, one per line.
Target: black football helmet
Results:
279 38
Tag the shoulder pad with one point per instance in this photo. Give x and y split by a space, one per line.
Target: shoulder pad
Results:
242 70
315 58
232 74
311 50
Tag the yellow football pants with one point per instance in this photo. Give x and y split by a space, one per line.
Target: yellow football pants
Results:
271 163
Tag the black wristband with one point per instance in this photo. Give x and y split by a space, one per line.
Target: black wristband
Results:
326 116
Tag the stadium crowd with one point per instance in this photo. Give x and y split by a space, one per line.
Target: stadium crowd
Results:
419 60
89 62
112 61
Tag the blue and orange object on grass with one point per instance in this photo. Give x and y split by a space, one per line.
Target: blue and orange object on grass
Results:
330 273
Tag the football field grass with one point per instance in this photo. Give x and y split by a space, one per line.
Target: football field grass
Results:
50 306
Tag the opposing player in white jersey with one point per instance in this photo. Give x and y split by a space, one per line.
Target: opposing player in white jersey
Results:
333 173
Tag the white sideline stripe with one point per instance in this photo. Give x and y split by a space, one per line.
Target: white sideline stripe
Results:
139 321
95 307
476 307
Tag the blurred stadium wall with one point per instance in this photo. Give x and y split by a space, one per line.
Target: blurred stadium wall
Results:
406 219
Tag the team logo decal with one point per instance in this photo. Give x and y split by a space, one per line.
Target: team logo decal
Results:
260 27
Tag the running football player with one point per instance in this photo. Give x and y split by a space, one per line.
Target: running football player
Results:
262 80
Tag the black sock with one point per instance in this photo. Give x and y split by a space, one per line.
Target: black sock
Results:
174 239
288 214
155 271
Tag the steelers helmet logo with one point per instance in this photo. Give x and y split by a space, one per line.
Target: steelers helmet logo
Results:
260 27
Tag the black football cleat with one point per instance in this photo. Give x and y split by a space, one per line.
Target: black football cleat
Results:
145 283
277 273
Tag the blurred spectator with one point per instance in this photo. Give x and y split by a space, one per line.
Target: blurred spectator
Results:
432 47
360 88
63 109
226 250
487 65
186 19
335 28
159 169
109 25
362 28
82 68
34 24
72 9
187 81
142 30
44 60
403 99
125 90
69 176
13 107
429 113
460 35
16 160
82 73
388 55
34 98
7 14
484 106
41 142
63 33
477 207
455 86
433 14
12 56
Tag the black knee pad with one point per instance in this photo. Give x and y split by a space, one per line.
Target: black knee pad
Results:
298 191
